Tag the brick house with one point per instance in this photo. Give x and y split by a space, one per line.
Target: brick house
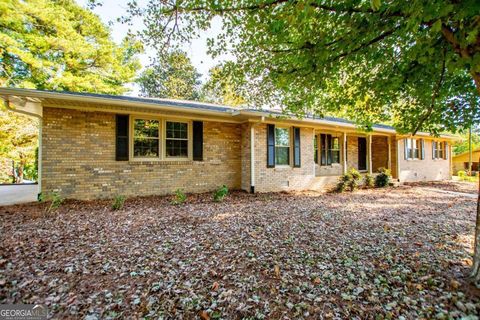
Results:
99 146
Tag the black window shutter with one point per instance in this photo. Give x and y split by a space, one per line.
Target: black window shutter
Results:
197 141
296 147
121 137
270 146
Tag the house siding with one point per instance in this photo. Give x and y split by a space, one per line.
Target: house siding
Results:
283 178
78 159
427 169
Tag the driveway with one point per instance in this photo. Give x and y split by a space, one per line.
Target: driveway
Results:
15 194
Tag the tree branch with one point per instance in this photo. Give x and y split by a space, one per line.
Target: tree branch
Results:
434 94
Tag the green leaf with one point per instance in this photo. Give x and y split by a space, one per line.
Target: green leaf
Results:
375 4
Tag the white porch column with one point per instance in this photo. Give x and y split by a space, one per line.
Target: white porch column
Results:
369 148
345 153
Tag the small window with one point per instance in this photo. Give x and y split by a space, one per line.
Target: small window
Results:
330 149
413 149
438 150
176 139
146 138
282 146
335 150
315 148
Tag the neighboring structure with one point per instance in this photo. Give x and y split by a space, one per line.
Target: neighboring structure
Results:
95 146
460 161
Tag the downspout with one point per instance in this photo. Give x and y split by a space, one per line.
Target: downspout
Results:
6 103
252 155
252 158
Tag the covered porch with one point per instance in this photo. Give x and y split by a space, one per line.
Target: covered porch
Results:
337 152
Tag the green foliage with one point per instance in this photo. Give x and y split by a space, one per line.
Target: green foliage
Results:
220 87
54 45
349 180
220 194
461 146
403 61
55 201
171 76
179 197
463 176
18 143
368 181
383 178
118 202
58 45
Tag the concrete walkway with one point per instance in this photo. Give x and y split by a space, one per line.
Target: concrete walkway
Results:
453 193
15 194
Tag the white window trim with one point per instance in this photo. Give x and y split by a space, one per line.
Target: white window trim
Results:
419 148
162 139
132 138
320 144
189 137
290 147
442 148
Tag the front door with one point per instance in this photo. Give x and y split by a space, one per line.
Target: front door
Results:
362 153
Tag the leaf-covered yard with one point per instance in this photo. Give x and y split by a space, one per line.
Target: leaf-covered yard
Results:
371 254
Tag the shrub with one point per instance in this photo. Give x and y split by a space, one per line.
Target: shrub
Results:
118 202
56 201
462 175
368 181
349 180
355 178
383 178
179 197
220 193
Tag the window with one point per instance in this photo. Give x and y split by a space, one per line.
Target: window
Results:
315 148
438 149
146 138
176 139
330 149
335 150
413 149
282 146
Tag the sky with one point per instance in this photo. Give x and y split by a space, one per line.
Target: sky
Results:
196 50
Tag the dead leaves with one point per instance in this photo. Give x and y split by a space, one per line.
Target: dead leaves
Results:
276 270
372 253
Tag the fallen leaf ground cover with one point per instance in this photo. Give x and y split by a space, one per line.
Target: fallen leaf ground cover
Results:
377 254
450 185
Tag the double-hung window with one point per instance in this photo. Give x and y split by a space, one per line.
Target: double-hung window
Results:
146 138
438 149
335 149
330 149
176 139
282 146
159 139
413 149
315 148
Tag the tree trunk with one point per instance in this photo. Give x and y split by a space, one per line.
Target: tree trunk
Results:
475 273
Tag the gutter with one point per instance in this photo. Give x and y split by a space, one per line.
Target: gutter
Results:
154 105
